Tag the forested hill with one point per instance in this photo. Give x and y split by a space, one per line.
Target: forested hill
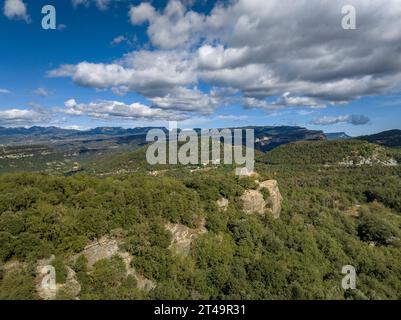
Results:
185 234
344 152
391 138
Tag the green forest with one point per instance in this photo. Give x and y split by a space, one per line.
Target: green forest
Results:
332 215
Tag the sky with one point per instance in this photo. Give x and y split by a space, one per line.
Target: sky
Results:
202 63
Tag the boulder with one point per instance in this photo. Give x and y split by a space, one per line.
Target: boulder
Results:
273 202
254 202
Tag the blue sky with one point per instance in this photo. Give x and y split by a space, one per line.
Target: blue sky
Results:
203 63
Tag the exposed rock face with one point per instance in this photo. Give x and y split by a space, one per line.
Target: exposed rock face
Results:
142 282
104 248
253 201
183 236
273 202
71 287
375 158
47 288
222 204
245 172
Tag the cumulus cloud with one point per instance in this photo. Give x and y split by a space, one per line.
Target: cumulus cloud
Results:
14 117
354 119
262 50
285 101
158 75
42 92
140 14
218 57
118 110
16 9
184 99
175 26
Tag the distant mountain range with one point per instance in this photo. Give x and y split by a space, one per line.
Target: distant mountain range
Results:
56 136
55 150
337 136
56 132
266 137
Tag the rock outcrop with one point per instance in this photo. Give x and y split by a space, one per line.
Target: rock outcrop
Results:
183 236
141 281
104 248
273 201
48 289
254 201
222 204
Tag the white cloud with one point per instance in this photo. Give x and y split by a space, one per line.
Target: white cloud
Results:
42 92
2 90
16 9
285 101
356 120
173 27
22 117
231 117
149 73
184 99
77 3
100 4
74 127
218 57
118 110
118 40
141 13
263 50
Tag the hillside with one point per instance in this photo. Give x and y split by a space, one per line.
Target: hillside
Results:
391 138
120 228
195 235
104 148
268 138
346 153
